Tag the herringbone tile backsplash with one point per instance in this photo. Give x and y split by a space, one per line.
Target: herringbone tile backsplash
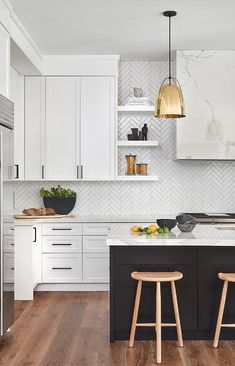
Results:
183 185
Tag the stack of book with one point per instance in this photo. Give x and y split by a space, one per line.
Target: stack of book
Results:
138 101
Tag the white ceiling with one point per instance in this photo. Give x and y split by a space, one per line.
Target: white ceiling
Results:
135 29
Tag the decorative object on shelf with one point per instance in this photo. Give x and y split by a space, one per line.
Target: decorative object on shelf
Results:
130 137
135 133
145 132
138 135
138 92
144 101
62 200
170 102
141 135
131 164
142 169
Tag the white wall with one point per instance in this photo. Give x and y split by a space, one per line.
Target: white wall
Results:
183 185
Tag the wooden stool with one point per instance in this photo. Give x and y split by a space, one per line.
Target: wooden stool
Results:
157 277
226 277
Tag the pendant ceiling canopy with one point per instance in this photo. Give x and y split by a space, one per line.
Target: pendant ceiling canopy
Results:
170 102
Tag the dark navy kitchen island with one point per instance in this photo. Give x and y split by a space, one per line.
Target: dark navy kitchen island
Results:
198 292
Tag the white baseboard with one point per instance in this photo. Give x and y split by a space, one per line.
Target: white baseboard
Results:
72 287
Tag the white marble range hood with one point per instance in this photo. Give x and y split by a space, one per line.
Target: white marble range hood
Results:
208 82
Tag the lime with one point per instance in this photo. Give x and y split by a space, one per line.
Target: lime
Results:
165 230
159 230
148 230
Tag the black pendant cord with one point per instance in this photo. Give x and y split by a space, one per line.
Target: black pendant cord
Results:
170 50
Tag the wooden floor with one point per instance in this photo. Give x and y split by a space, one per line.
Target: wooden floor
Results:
72 328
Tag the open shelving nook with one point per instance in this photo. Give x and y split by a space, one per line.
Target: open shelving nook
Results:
145 151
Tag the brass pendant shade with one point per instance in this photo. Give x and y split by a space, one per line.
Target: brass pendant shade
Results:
170 102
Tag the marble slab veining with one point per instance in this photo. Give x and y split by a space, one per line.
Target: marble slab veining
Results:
203 235
207 78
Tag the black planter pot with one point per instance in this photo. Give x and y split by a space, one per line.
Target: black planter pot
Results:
62 206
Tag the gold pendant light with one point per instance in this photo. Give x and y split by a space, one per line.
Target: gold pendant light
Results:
170 102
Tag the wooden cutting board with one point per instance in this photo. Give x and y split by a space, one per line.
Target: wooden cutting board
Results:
23 216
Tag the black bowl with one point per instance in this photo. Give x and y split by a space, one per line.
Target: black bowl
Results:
169 223
62 206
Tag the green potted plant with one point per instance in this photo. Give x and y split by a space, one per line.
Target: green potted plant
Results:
62 200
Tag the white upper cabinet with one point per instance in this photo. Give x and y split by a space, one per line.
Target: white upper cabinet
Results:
62 128
69 128
97 128
17 97
207 78
34 128
4 62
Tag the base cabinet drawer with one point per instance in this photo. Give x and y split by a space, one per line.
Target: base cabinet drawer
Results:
95 268
8 244
96 229
62 229
8 268
95 244
62 244
61 268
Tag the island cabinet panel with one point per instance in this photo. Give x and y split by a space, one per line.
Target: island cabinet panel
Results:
123 261
211 261
155 255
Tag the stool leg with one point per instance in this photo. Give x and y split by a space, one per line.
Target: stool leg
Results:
220 314
135 314
176 312
158 323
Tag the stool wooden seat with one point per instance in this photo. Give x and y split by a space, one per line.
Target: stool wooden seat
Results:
157 277
226 277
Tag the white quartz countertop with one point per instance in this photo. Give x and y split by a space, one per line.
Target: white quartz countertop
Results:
207 235
94 219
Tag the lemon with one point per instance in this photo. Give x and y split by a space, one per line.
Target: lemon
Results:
136 229
153 228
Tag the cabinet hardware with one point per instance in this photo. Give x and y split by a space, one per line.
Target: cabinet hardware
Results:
12 268
12 244
12 229
61 267
43 172
35 234
77 171
61 244
81 171
17 171
68 229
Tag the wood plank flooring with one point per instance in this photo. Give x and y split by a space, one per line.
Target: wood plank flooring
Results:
72 329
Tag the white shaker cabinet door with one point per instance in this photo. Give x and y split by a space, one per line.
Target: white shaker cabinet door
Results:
17 97
4 62
62 129
34 128
97 128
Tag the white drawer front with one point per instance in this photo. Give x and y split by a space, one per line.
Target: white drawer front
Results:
95 244
96 229
61 268
60 229
8 268
65 244
8 244
8 228
95 268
